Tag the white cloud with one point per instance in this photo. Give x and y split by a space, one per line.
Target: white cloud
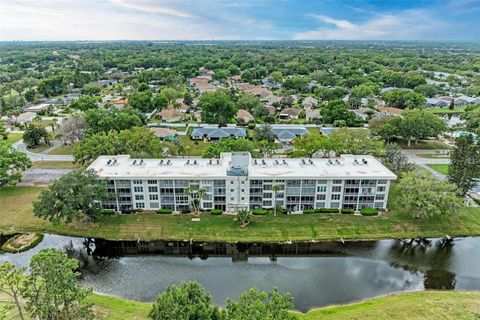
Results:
406 25
151 7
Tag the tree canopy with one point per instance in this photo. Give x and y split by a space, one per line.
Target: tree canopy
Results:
217 108
12 163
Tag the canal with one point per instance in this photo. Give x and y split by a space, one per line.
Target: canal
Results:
316 274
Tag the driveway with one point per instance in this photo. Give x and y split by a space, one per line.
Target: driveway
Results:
20 146
415 159
41 177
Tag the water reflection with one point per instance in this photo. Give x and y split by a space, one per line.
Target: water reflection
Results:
316 274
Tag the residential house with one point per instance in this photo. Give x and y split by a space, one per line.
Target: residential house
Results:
312 114
169 114
364 113
37 108
201 85
271 110
24 118
288 134
289 114
163 133
465 100
243 116
389 111
436 102
309 103
216 133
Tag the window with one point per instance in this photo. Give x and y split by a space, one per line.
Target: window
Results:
322 189
380 189
231 182
207 205
335 197
335 205
337 182
137 181
139 197
380 197
152 181
243 198
267 195
152 189
322 181
243 190
321 196
154 205
243 182
382 181
336 189
232 198
140 205
231 190
138 189
319 205
153 197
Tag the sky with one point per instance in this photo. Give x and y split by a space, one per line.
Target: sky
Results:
239 20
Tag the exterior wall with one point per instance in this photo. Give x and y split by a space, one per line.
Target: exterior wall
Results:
240 192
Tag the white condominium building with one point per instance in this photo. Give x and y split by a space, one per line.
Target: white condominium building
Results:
238 181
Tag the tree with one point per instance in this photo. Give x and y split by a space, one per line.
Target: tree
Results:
414 79
244 218
472 118
52 290
296 83
248 102
34 134
3 131
386 128
11 285
264 133
170 93
275 188
101 120
188 98
84 103
72 129
216 108
90 89
160 101
420 123
424 196
356 141
395 160
464 168
137 141
74 196
187 301
365 90
428 90
337 110
260 305
308 145
12 163
229 145
141 101
404 98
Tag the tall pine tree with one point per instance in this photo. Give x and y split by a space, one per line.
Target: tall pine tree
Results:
464 169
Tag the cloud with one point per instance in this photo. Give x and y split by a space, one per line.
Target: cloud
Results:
406 25
151 7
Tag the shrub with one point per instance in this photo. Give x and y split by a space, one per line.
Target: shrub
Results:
328 210
347 211
11 246
185 211
309 211
216 212
369 212
164 211
107 212
260 212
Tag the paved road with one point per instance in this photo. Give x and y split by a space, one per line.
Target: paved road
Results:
20 146
41 177
413 158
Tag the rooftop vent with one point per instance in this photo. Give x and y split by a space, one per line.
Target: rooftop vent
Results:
169 162
303 161
263 162
364 161
337 161
284 162
330 161
161 162
195 162
311 161
255 162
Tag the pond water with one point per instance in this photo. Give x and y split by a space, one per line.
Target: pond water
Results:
315 274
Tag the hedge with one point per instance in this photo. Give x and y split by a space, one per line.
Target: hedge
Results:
347 211
185 211
310 211
164 211
328 210
216 212
107 212
369 212
34 243
260 212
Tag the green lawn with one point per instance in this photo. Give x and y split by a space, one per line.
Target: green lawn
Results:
424 145
54 165
423 305
16 215
442 168
446 110
193 147
40 148
62 150
14 137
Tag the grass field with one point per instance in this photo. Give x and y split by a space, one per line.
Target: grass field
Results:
433 155
424 145
16 215
415 305
425 305
446 110
14 137
193 147
62 150
442 168
54 165
40 148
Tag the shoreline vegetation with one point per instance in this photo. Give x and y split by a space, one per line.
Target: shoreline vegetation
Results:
404 305
22 242
210 228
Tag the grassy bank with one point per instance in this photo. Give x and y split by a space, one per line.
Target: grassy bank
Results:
442 168
55 165
16 216
415 305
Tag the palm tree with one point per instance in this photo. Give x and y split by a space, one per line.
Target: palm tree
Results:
275 189
201 193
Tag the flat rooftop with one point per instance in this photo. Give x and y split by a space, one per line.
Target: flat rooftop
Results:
343 167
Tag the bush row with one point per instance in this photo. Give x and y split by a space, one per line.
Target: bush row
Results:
321 210
8 245
369 212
